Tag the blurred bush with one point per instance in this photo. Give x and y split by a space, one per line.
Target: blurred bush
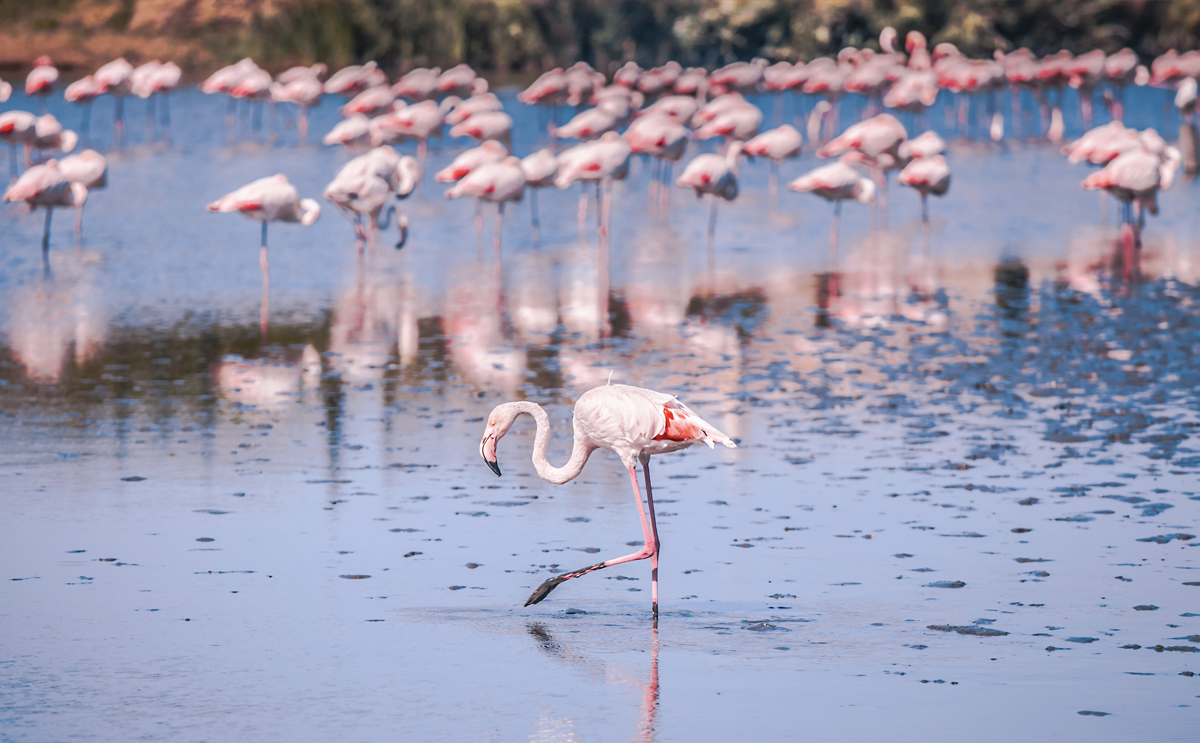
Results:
524 36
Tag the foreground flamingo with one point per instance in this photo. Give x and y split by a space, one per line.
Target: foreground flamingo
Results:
633 422
268 199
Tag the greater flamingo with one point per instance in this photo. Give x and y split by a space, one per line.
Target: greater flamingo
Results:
268 200
16 128
600 161
664 138
540 168
498 183
83 91
5 90
113 78
1135 177
487 152
836 182
489 125
634 423
155 78
776 145
928 175
46 186
878 140
41 79
352 80
715 176
363 185
371 102
89 169
302 87
418 85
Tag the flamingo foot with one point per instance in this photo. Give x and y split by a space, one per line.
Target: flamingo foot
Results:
551 583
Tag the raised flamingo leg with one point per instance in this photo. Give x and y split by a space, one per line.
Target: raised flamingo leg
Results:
650 548
264 309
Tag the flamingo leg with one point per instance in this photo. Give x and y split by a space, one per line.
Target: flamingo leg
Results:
535 223
12 160
264 309
712 238
498 232
582 208
85 119
46 242
150 118
165 117
645 459
602 268
479 228
649 549
302 124
773 185
119 121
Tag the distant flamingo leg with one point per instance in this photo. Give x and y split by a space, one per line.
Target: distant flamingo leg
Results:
582 208
46 242
498 231
712 238
264 310
12 160
535 223
649 549
665 191
165 118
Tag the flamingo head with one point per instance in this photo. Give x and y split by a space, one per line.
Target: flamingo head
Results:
499 422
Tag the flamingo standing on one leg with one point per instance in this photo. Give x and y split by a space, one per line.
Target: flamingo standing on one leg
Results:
303 88
928 175
663 137
540 168
268 199
113 78
775 145
633 422
89 169
83 91
836 182
715 176
498 183
16 128
46 186
41 79
490 151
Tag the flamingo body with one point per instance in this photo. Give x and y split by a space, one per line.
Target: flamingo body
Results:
634 423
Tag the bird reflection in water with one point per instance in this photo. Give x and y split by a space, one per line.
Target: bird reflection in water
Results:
58 318
473 320
268 383
561 729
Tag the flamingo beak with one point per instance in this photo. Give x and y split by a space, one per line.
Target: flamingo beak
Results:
487 450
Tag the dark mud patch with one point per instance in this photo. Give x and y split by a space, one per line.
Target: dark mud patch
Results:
1024 560
1093 713
1164 538
946 584
354 577
968 630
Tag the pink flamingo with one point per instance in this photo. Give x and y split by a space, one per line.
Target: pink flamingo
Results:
826 78
693 81
628 75
46 186
16 128
836 182
88 169
540 169
113 78
418 85
222 81
352 80
350 132
419 121
548 91
1119 70
600 161
497 183
739 122
301 87
363 186
679 107
268 200
255 85
928 175
588 124
41 79
461 110
5 90
776 145
489 125
155 78
619 101
715 176
1135 177
582 80
370 102
634 423
664 138
48 134
878 140
780 78
459 80
487 152
744 77
83 91
659 80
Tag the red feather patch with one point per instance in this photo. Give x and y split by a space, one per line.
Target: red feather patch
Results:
678 427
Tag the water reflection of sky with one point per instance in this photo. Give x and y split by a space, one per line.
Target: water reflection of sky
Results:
1010 416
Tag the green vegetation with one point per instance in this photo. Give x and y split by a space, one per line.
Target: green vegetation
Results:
525 36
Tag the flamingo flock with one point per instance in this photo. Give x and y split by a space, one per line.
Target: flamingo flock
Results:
653 114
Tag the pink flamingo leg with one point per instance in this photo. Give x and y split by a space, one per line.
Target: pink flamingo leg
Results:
650 549
653 530
264 310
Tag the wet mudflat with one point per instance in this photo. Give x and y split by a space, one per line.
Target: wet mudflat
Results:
963 501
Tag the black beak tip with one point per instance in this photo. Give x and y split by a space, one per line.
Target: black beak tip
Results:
495 467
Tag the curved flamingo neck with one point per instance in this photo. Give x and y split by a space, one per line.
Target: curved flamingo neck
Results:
580 450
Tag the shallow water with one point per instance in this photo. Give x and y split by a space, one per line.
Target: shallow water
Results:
952 510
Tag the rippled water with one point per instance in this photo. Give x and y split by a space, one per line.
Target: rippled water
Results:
963 502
